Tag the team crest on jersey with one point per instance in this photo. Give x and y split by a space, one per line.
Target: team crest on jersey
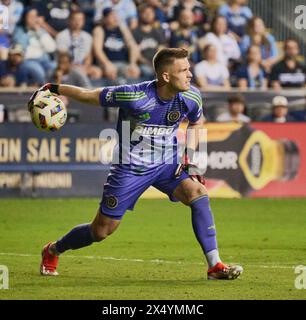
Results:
111 202
173 116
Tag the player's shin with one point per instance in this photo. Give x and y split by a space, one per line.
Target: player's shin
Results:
204 229
79 237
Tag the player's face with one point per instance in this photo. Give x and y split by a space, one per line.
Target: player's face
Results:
180 75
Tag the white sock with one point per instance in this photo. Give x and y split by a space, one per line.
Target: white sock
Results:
212 258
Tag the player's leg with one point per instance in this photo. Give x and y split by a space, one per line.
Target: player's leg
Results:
85 234
79 237
194 194
120 193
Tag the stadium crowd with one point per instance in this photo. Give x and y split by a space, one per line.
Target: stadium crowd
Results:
94 43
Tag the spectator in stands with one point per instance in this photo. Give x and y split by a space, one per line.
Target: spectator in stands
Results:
78 43
236 106
5 43
163 9
149 38
15 10
13 71
125 9
225 44
200 16
89 9
37 45
186 35
53 14
115 49
252 75
257 35
66 73
289 72
237 15
279 111
211 74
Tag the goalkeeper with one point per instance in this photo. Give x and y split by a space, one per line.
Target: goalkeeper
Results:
154 110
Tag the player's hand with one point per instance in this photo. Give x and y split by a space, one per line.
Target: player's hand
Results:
185 166
53 88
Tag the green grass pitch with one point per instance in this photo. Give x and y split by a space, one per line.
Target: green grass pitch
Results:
154 254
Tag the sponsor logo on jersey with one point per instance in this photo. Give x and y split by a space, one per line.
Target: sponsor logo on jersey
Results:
111 202
173 116
153 130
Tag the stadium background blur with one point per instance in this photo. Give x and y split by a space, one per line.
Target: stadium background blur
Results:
82 43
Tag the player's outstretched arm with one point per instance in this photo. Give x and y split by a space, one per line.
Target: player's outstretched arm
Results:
90 96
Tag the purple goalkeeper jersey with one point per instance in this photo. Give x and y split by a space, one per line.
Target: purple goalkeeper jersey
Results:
147 125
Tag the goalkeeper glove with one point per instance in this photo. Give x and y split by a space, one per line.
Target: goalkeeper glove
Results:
186 166
53 88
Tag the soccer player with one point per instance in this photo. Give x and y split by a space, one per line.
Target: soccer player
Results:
154 110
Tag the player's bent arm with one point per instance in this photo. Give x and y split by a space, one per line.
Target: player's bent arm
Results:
195 155
196 137
88 96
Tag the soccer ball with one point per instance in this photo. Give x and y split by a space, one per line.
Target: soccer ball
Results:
48 111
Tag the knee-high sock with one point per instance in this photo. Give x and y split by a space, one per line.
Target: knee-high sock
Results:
204 228
79 237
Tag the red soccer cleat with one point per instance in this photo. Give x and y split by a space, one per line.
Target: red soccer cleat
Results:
48 263
223 271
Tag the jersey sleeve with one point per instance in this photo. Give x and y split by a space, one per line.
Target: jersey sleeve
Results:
193 100
121 96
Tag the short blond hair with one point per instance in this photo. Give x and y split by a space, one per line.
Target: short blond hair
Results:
167 56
